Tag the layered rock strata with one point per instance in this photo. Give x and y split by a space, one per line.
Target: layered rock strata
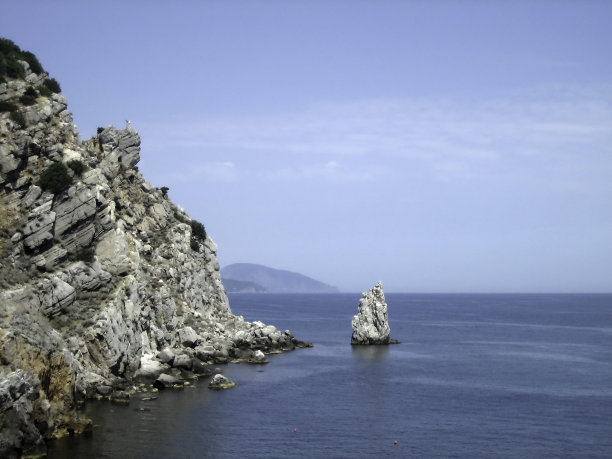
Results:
102 282
371 324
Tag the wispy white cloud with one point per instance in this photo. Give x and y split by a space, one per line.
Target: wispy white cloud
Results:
332 171
452 137
217 171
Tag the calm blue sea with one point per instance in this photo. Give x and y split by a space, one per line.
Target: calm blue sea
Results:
475 376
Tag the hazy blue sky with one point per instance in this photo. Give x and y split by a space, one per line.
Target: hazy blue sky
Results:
438 146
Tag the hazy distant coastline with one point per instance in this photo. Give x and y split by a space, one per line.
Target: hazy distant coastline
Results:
254 278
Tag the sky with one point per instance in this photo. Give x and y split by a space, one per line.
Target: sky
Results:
436 146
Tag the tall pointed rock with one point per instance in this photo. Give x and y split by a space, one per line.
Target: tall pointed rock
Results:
371 324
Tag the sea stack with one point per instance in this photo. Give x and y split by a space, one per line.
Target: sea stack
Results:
371 324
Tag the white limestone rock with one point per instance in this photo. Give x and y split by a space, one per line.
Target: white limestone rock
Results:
165 381
88 277
371 324
39 230
258 357
166 356
115 254
54 295
183 362
220 382
77 205
189 337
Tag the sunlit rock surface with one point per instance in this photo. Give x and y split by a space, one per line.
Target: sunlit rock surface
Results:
102 281
371 324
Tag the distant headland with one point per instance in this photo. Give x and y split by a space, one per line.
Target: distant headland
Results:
250 277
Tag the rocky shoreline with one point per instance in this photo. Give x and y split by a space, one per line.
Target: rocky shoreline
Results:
105 284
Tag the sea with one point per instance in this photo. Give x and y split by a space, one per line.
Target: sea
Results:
475 376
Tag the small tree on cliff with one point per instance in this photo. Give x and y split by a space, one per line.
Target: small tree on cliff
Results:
198 234
55 178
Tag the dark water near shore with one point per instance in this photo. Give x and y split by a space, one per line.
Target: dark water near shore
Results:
509 376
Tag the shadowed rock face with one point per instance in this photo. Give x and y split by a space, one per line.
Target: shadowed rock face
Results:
371 324
99 283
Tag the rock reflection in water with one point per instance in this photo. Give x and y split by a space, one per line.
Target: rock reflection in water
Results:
371 352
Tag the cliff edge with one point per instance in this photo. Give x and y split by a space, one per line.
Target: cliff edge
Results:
103 280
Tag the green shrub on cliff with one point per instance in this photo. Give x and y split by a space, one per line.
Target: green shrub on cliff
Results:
179 217
78 167
32 60
52 85
198 234
8 107
17 117
10 53
195 245
197 230
55 178
29 97
44 91
85 254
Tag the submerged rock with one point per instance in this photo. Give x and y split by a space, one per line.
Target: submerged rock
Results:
371 324
220 382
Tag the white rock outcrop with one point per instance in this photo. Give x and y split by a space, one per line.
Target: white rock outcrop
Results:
371 324
220 382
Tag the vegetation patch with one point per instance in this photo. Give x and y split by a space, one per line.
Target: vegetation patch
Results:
52 85
179 217
198 234
55 178
85 254
78 167
6 106
44 91
10 55
195 245
17 117
197 230
32 61
29 97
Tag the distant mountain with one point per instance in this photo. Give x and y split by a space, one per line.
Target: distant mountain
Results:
273 280
234 286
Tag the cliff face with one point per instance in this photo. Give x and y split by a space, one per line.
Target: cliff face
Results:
99 273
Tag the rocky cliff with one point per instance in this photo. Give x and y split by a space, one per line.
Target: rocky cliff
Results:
103 279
